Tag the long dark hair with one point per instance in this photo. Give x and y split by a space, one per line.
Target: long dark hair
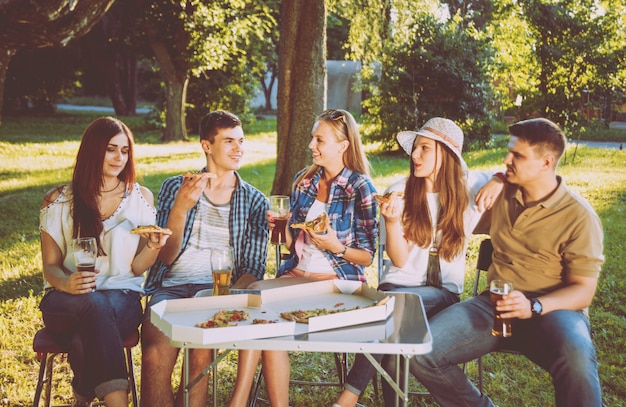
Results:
88 177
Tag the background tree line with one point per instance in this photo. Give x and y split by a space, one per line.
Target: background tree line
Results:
473 61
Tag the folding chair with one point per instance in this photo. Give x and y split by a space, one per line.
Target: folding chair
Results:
48 349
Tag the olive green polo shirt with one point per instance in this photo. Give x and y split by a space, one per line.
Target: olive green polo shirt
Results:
558 237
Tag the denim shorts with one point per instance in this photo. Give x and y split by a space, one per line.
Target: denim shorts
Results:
174 293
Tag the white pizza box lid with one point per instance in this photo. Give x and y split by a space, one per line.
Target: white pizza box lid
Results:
177 319
329 294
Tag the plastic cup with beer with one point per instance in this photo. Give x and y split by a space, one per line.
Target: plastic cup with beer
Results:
222 267
279 210
85 253
501 326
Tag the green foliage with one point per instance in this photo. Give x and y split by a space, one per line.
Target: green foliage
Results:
226 47
37 153
555 54
435 68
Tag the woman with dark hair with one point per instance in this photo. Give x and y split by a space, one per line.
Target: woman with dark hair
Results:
92 312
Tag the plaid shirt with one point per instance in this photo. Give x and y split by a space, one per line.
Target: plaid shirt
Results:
352 211
247 224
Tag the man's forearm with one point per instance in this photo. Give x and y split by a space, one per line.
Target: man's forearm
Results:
245 280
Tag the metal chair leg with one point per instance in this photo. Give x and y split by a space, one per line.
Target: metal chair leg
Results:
130 369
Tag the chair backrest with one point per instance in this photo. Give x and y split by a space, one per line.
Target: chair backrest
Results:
483 262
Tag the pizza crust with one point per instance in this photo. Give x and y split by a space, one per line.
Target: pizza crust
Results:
388 197
198 174
150 229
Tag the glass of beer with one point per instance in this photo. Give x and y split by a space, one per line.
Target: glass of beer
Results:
501 326
222 266
279 210
85 253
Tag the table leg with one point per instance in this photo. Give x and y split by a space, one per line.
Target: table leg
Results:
215 378
400 387
186 375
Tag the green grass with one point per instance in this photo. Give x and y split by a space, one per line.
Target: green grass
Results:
37 153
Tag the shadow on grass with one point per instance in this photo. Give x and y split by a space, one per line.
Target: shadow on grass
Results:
22 286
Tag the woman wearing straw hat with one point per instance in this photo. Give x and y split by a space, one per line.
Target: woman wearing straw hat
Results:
426 230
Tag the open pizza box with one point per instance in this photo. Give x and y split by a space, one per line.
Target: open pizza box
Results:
177 319
336 295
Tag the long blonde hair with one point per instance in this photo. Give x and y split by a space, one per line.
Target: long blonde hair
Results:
344 128
454 198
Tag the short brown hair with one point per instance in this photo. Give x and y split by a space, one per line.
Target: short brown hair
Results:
211 123
542 133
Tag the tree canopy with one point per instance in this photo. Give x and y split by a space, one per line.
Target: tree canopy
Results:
43 23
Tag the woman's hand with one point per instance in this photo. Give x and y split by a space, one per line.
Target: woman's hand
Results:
81 282
392 211
155 240
325 241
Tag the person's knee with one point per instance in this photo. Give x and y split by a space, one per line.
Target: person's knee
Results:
199 359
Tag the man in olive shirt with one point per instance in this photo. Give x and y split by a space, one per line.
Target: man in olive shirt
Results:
548 241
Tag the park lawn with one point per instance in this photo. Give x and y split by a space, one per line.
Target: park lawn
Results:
37 153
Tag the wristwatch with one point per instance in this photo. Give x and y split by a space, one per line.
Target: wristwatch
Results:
341 254
535 307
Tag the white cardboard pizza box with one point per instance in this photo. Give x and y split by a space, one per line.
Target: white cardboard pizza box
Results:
177 319
329 294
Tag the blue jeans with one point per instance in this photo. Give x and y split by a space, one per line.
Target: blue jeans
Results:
93 327
434 300
559 342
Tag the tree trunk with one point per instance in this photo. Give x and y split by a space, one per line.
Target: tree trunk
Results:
5 57
268 87
301 85
123 81
176 82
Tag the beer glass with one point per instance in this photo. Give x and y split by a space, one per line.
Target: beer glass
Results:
279 210
85 253
222 267
501 326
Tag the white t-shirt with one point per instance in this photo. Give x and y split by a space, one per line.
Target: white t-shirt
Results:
117 241
313 259
453 272
209 229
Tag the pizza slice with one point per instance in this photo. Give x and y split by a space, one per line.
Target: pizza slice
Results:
388 197
224 318
303 316
150 229
317 225
198 174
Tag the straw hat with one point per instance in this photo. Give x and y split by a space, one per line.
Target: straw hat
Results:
443 130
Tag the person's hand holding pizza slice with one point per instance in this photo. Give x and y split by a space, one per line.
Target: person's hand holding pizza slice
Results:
391 206
156 236
194 183
322 235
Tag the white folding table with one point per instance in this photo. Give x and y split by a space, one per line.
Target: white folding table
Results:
404 334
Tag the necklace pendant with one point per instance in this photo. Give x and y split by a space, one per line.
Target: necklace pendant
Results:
433 251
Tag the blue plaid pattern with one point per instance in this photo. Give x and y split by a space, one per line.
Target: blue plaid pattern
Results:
247 224
352 211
